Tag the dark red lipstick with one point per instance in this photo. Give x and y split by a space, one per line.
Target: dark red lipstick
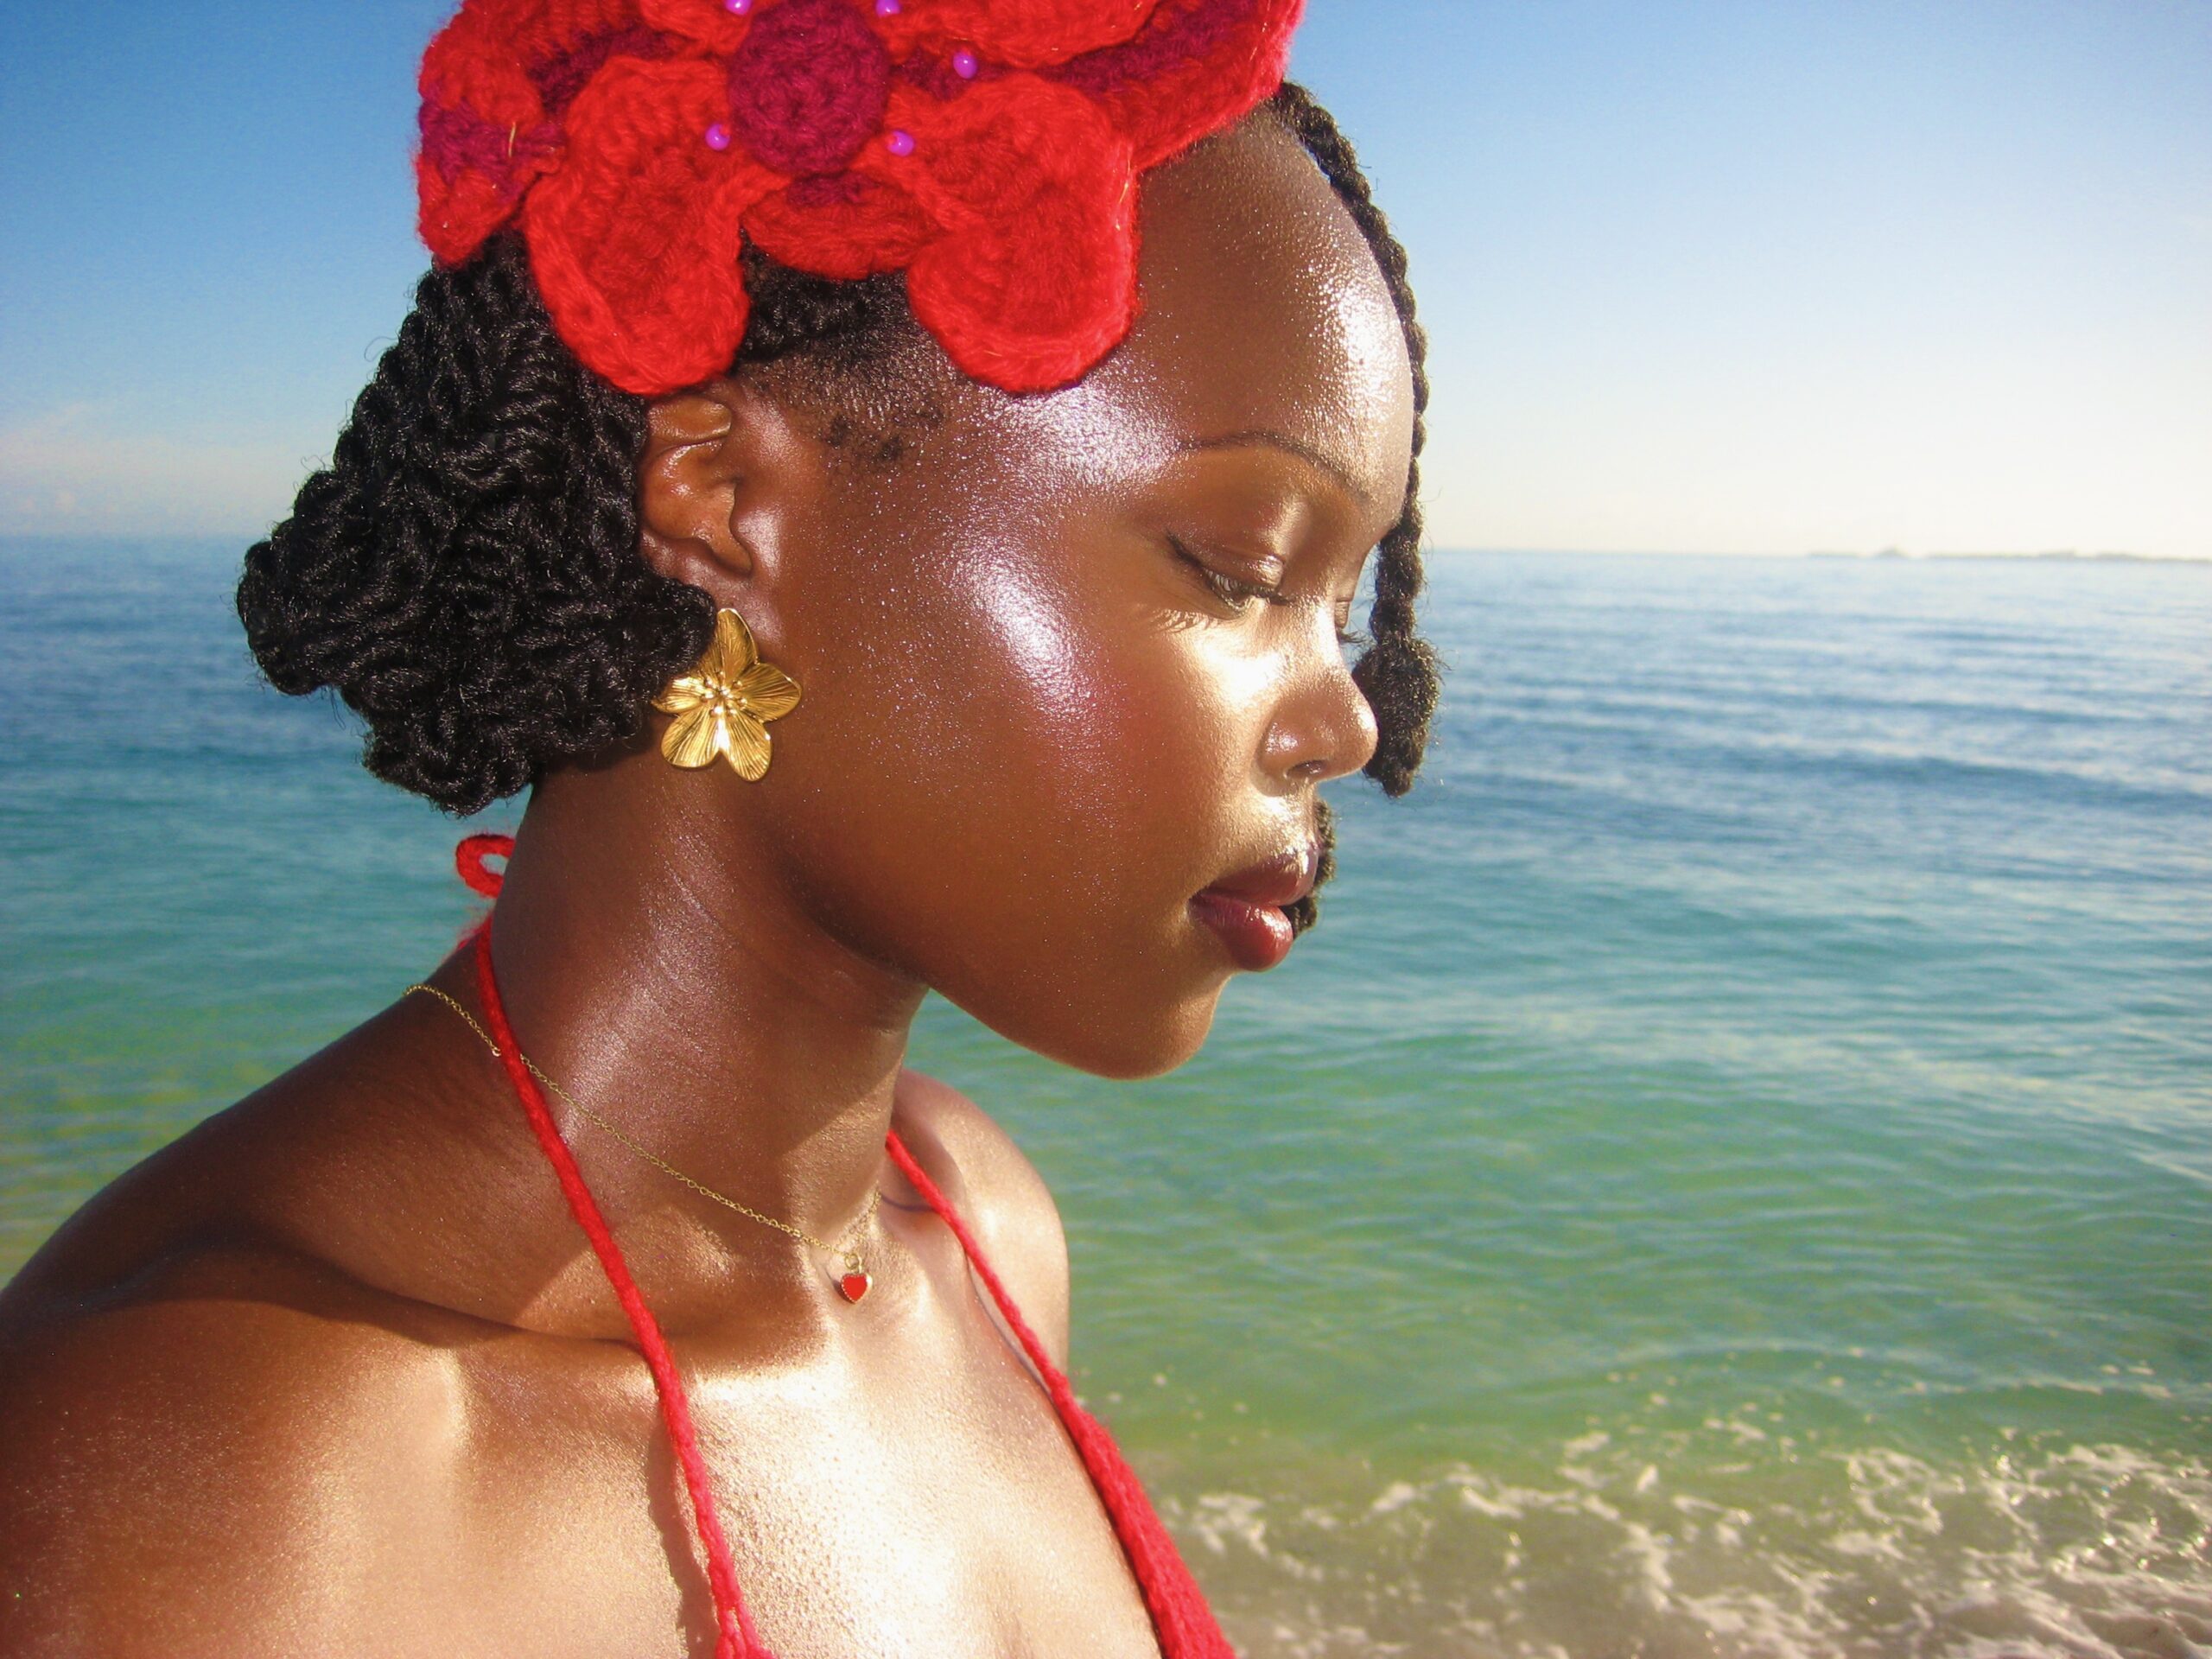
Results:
1245 910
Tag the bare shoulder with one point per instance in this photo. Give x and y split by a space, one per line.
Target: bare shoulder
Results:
999 1194
189 1448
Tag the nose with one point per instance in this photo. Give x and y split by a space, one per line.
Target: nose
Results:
1324 727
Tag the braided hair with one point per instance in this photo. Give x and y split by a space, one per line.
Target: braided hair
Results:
465 573
1399 673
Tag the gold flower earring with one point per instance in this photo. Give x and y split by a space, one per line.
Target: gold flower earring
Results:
723 706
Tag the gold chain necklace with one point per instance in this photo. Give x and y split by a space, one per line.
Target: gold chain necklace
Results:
854 1282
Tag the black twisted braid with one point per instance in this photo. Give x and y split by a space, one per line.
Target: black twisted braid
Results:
1399 673
465 573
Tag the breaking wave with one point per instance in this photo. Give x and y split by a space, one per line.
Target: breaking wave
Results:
1627 1548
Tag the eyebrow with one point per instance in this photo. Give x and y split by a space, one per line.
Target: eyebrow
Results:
1318 458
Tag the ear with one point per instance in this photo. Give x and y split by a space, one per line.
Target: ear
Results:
713 454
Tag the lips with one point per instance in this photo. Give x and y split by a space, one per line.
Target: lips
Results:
1245 910
1282 879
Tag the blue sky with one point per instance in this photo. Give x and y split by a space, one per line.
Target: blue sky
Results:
1726 277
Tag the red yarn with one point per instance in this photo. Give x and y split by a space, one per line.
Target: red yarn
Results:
1182 1621
1180 1618
706 23
1021 34
1164 85
468 859
807 86
735 1636
630 139
847 227
634 240
1031 178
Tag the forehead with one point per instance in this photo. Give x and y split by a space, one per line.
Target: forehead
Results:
1262 310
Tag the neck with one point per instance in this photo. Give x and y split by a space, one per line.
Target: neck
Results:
655 962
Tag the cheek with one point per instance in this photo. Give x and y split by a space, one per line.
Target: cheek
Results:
1024 794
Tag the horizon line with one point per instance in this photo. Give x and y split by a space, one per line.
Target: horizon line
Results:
244 538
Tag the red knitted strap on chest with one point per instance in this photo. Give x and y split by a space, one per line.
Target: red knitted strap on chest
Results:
734 1637
1180 1618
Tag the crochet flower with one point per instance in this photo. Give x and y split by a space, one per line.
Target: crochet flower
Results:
987 147
722 707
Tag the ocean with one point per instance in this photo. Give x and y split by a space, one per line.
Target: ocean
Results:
1731 1174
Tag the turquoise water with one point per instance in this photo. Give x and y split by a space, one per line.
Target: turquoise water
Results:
1732 1174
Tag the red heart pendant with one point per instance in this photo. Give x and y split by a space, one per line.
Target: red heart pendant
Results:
854 1285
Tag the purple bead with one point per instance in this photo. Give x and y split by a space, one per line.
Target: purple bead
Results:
898 142
737 8
964 64
717 135
887 7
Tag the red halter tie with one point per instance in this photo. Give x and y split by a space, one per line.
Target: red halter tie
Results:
1184 1626
736 1638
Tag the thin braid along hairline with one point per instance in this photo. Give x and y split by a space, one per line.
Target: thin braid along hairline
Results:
1401 669
1400 672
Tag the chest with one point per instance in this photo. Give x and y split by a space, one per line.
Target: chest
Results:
915 1501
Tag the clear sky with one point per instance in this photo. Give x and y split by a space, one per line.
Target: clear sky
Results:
1726 277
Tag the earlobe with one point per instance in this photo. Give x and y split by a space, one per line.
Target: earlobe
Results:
688 483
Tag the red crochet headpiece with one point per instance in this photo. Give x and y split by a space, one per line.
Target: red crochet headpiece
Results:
988 147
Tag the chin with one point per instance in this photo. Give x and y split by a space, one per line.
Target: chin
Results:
1127 1045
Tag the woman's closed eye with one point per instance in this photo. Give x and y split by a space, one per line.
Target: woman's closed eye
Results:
1237 594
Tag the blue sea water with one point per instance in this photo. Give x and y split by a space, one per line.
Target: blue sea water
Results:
1732 1173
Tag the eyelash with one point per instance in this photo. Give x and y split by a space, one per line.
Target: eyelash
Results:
1233 593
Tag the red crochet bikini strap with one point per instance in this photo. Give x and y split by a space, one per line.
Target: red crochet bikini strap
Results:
1180 1618
734 1636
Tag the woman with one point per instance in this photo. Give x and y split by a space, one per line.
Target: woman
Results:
972 621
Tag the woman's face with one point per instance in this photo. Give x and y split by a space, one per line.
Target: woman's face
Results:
1030 730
